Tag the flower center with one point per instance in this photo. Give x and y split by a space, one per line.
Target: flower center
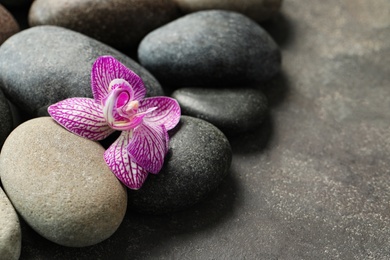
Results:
119 108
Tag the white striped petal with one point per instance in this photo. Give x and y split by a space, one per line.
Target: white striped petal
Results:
106 69
81 116
120 163
148 146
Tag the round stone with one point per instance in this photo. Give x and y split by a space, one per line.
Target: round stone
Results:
119 23
232 110
8 25
210 48
258 10
199 158
10 233
60 185
45 64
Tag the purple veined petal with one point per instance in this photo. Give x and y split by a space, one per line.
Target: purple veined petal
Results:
167 113
120 163
81 116
105 69
148 147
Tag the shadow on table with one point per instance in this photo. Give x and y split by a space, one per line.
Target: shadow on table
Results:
276 91
280 28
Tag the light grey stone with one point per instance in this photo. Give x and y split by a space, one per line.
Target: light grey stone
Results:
10 233
60 185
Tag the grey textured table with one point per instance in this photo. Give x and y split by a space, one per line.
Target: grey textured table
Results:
314 181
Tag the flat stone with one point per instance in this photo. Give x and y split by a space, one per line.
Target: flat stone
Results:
232 110
189 52
45 64
258 10
119 23
60 185
8 24
10 233
198 160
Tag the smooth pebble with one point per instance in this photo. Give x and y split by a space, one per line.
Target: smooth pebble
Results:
119 23
45 64
8 24
10 232
198 160
210 48
232 110
60 185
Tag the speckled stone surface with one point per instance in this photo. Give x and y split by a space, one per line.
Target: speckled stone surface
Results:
60 185
258 10
232 110
45 64
8 24
198 160
313 183
209 49
119 23
10 233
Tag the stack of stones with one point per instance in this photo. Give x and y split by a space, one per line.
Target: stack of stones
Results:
211 56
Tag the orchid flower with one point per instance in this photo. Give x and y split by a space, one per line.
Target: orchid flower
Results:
119 103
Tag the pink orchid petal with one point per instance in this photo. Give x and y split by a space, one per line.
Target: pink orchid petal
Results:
106 69
120 163
167 112
149 146
81 116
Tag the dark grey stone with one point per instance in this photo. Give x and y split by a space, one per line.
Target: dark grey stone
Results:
45 64
119 23
210 48
232 110
198 160
6 122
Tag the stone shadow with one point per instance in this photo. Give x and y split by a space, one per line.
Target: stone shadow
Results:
280 28
139 235
276 90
